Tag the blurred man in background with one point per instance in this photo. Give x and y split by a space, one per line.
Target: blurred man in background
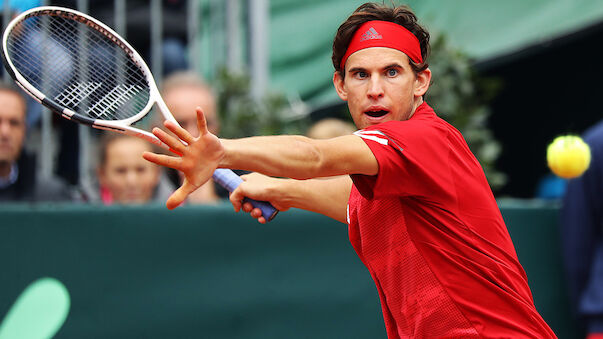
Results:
582 238
182 93
18 180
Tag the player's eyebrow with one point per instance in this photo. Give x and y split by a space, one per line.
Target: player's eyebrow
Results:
356 69
362 69
394 65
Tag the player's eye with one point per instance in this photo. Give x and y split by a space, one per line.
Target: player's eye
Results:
392 72
361 75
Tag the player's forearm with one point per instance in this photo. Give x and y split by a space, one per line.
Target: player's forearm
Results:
328 196
283 156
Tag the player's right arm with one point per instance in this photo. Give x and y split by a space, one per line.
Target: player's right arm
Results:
327 196
279 156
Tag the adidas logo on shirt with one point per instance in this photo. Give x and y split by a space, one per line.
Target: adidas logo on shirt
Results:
371 34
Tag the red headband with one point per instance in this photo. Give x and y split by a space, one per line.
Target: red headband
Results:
384 34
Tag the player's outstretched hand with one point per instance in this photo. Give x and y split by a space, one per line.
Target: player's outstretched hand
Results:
263 188
199 157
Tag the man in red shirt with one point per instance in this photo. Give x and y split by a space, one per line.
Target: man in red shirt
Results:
420 212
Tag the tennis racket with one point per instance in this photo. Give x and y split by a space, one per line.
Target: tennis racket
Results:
107 86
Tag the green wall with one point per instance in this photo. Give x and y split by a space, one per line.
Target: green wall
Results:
206 272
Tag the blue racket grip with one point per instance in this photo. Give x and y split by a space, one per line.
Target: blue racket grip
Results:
230 180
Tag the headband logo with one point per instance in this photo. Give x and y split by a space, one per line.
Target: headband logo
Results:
371 34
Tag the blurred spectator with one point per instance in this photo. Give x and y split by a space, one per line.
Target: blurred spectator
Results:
582 238
18 180
330 128
124 176
182 93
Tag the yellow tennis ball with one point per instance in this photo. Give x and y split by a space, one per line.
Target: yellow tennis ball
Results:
568 156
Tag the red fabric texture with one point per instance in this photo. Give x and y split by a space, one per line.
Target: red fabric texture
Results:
384 34
430 232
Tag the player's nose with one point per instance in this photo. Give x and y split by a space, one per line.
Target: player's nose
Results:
375 88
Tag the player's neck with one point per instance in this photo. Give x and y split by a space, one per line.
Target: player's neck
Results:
417 103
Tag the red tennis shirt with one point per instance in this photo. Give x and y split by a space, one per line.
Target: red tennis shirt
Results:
429 231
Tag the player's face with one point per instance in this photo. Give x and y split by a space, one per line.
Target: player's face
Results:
12 126
129 178
182 102
380 86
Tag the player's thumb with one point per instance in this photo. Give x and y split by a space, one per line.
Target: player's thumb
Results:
180 195
236 198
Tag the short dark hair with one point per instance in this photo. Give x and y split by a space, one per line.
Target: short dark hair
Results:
401 15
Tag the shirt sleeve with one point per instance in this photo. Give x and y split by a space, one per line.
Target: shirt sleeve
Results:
412 160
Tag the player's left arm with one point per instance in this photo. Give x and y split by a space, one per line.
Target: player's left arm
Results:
327 196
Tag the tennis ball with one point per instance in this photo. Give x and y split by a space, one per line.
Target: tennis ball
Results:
568 156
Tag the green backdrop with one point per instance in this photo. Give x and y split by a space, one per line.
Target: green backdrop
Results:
301 34
206 272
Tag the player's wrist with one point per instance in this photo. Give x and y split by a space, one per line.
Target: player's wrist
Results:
225 161
288 193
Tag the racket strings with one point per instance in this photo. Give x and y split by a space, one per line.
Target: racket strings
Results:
28 49
78 67
101 58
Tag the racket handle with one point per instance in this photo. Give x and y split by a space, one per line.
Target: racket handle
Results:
230 180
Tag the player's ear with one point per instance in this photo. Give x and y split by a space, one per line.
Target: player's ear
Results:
338 82
422 82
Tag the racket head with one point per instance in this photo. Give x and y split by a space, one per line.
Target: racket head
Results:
78 67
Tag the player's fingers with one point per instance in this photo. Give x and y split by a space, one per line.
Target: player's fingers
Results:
163 160
175 200
180 195
247 207
235 199
173 143
201 122
180 132
256 213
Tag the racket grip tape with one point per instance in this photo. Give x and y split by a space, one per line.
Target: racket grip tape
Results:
230 180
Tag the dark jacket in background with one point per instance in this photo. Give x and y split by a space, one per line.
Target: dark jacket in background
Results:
28 188
582 237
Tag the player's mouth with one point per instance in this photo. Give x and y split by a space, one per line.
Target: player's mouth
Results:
376 112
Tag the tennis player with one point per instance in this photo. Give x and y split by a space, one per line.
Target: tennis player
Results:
420 212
